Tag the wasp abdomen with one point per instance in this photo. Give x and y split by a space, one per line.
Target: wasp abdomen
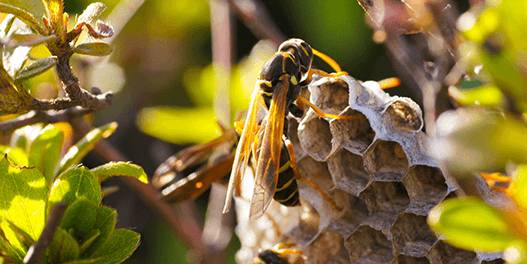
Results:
286 191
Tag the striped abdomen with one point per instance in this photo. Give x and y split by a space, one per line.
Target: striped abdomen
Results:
286 188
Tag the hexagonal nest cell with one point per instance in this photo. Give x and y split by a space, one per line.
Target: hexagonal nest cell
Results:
374 166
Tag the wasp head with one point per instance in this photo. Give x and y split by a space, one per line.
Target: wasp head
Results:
301 50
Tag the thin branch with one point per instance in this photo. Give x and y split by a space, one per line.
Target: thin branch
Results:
36 252
43 117
256 17
86 100
73 89
221 28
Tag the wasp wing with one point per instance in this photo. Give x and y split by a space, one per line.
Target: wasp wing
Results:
190 156
197 183
243 150
268 161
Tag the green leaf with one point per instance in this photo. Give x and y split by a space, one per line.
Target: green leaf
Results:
121 245
17 239
93 11
520 175
36 68
23 237
74 184
16 247
119 168
16 156
28 11
79 150
488 96
89 239
94 49
13 99
105 223
6 24
15 58
63 246
486 141
44 152
471 224
23 137
27 40
178 125
499 44
80 218
22 197
7 247
87 261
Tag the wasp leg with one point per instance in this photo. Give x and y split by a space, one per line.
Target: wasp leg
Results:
301 100
286 249
280 246
309 75
389 83
296 110
495 177
274 223
238 125
292 155
492 178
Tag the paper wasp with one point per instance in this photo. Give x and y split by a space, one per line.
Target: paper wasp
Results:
276 255
276 89
273 156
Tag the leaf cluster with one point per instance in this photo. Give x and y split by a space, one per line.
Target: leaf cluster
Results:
488 132
32 23
35 178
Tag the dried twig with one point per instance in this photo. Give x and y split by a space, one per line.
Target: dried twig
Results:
255 16
43 117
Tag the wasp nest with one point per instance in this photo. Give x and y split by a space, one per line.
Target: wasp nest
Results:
374 166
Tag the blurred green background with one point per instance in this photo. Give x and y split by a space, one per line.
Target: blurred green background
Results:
165 55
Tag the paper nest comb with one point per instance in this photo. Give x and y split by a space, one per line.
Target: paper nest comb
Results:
375 167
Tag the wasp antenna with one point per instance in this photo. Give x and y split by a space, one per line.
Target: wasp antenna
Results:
328 60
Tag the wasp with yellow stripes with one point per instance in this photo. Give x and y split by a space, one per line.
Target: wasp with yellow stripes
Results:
278 254
274 161
276 90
